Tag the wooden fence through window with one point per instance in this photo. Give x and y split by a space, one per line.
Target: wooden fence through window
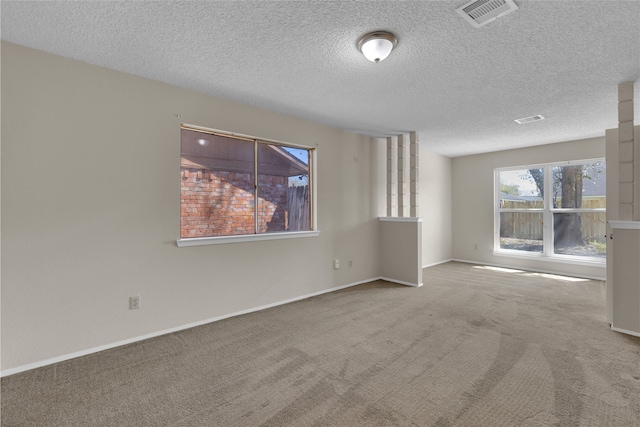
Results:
298 208
528 225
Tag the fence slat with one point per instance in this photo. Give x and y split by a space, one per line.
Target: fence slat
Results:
298 207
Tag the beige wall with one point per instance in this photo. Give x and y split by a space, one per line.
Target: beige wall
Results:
435 207
473 198
401 250
90 211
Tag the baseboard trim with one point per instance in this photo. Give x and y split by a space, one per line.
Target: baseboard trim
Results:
536 270
53 360
437 263
624 331
400 282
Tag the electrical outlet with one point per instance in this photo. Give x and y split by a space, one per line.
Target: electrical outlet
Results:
350 263
134 303
336 264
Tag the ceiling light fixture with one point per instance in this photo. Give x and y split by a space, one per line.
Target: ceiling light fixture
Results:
377 46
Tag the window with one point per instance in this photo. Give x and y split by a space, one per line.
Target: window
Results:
234 185
554 210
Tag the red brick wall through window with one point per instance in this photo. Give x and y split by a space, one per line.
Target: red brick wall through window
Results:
219 203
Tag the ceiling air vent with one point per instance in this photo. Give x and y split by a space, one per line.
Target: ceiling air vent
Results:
529 119
480 12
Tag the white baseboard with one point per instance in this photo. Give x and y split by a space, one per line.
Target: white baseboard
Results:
93 350
536 270
624 331
437 263
400 282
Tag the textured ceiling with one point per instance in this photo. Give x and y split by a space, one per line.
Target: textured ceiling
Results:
460 87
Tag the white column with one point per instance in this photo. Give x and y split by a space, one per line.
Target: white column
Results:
401 172
628 203
414 179
623 308
391 177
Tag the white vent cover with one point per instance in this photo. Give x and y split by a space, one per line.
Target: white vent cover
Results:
481 12
529 119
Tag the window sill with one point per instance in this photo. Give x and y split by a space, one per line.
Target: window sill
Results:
563 259
218 240
399 219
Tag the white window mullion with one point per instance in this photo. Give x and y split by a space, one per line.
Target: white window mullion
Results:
548 214
256 200
497 209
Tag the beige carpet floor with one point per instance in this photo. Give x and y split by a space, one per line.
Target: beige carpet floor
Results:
473 347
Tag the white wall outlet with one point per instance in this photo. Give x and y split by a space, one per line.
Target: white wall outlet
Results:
336 264
134 303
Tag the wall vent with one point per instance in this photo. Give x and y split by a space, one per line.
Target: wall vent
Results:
481 12
529 119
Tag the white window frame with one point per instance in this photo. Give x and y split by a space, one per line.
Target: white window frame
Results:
548 211
314 232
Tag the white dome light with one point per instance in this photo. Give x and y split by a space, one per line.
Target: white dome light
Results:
377 46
